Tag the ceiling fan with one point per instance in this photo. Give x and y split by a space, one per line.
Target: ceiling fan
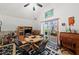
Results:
33 6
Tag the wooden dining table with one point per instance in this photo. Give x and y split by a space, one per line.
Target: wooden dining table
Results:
33 39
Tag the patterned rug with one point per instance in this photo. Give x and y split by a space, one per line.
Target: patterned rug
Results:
49 52
51 49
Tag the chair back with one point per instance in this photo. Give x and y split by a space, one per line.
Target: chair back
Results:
17 42
42 45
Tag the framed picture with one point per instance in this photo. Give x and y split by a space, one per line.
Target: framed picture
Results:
49 13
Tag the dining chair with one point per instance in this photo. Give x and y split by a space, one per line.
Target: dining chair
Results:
39 48
21 47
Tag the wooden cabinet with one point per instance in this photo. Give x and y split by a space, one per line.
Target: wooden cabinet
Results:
22 30
70 41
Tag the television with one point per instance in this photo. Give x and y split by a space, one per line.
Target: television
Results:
28 31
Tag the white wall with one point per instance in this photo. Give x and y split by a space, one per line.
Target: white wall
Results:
63 11
10 23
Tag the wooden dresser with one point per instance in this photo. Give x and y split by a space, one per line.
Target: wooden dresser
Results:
70 41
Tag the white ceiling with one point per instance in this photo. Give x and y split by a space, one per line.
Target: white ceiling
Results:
18 10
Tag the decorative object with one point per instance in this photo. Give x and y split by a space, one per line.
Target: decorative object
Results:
64 27
63 24
67 29
71 22
49 13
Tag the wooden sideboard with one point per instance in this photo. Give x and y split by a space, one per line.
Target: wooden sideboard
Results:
70 41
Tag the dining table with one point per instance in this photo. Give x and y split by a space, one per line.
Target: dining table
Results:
32 40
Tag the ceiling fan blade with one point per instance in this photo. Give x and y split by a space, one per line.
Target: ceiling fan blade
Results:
26 4
39 5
